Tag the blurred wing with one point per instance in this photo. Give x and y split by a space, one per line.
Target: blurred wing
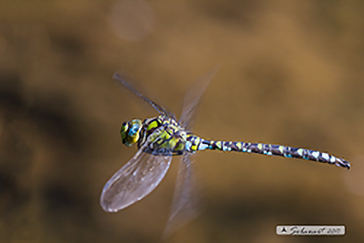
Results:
150 102
185 201
134 180
193 96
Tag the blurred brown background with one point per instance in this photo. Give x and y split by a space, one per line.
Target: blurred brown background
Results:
292 73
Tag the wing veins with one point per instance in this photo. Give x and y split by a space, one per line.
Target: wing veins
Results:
135 180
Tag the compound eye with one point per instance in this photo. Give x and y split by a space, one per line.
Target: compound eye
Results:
125 126
124 130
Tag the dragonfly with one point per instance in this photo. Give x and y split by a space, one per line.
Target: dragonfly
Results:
163 137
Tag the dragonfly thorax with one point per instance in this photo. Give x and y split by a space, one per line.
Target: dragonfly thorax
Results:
162 135
130 131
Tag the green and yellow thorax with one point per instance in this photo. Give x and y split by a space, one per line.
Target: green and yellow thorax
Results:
160 133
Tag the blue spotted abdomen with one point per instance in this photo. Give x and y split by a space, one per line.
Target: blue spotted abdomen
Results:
266 149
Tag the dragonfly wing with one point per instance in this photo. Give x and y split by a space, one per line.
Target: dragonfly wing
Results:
185 201
193 96
134 180
157 107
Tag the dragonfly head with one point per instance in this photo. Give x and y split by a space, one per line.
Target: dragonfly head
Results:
130 131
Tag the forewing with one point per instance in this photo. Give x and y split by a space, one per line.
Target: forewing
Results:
185 205
134 180
193 96
157 107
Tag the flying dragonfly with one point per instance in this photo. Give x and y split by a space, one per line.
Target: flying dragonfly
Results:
161 138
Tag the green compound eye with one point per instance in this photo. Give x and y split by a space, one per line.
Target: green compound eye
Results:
124 131
129 131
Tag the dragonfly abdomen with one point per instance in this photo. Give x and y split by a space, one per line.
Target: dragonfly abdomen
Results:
269 149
